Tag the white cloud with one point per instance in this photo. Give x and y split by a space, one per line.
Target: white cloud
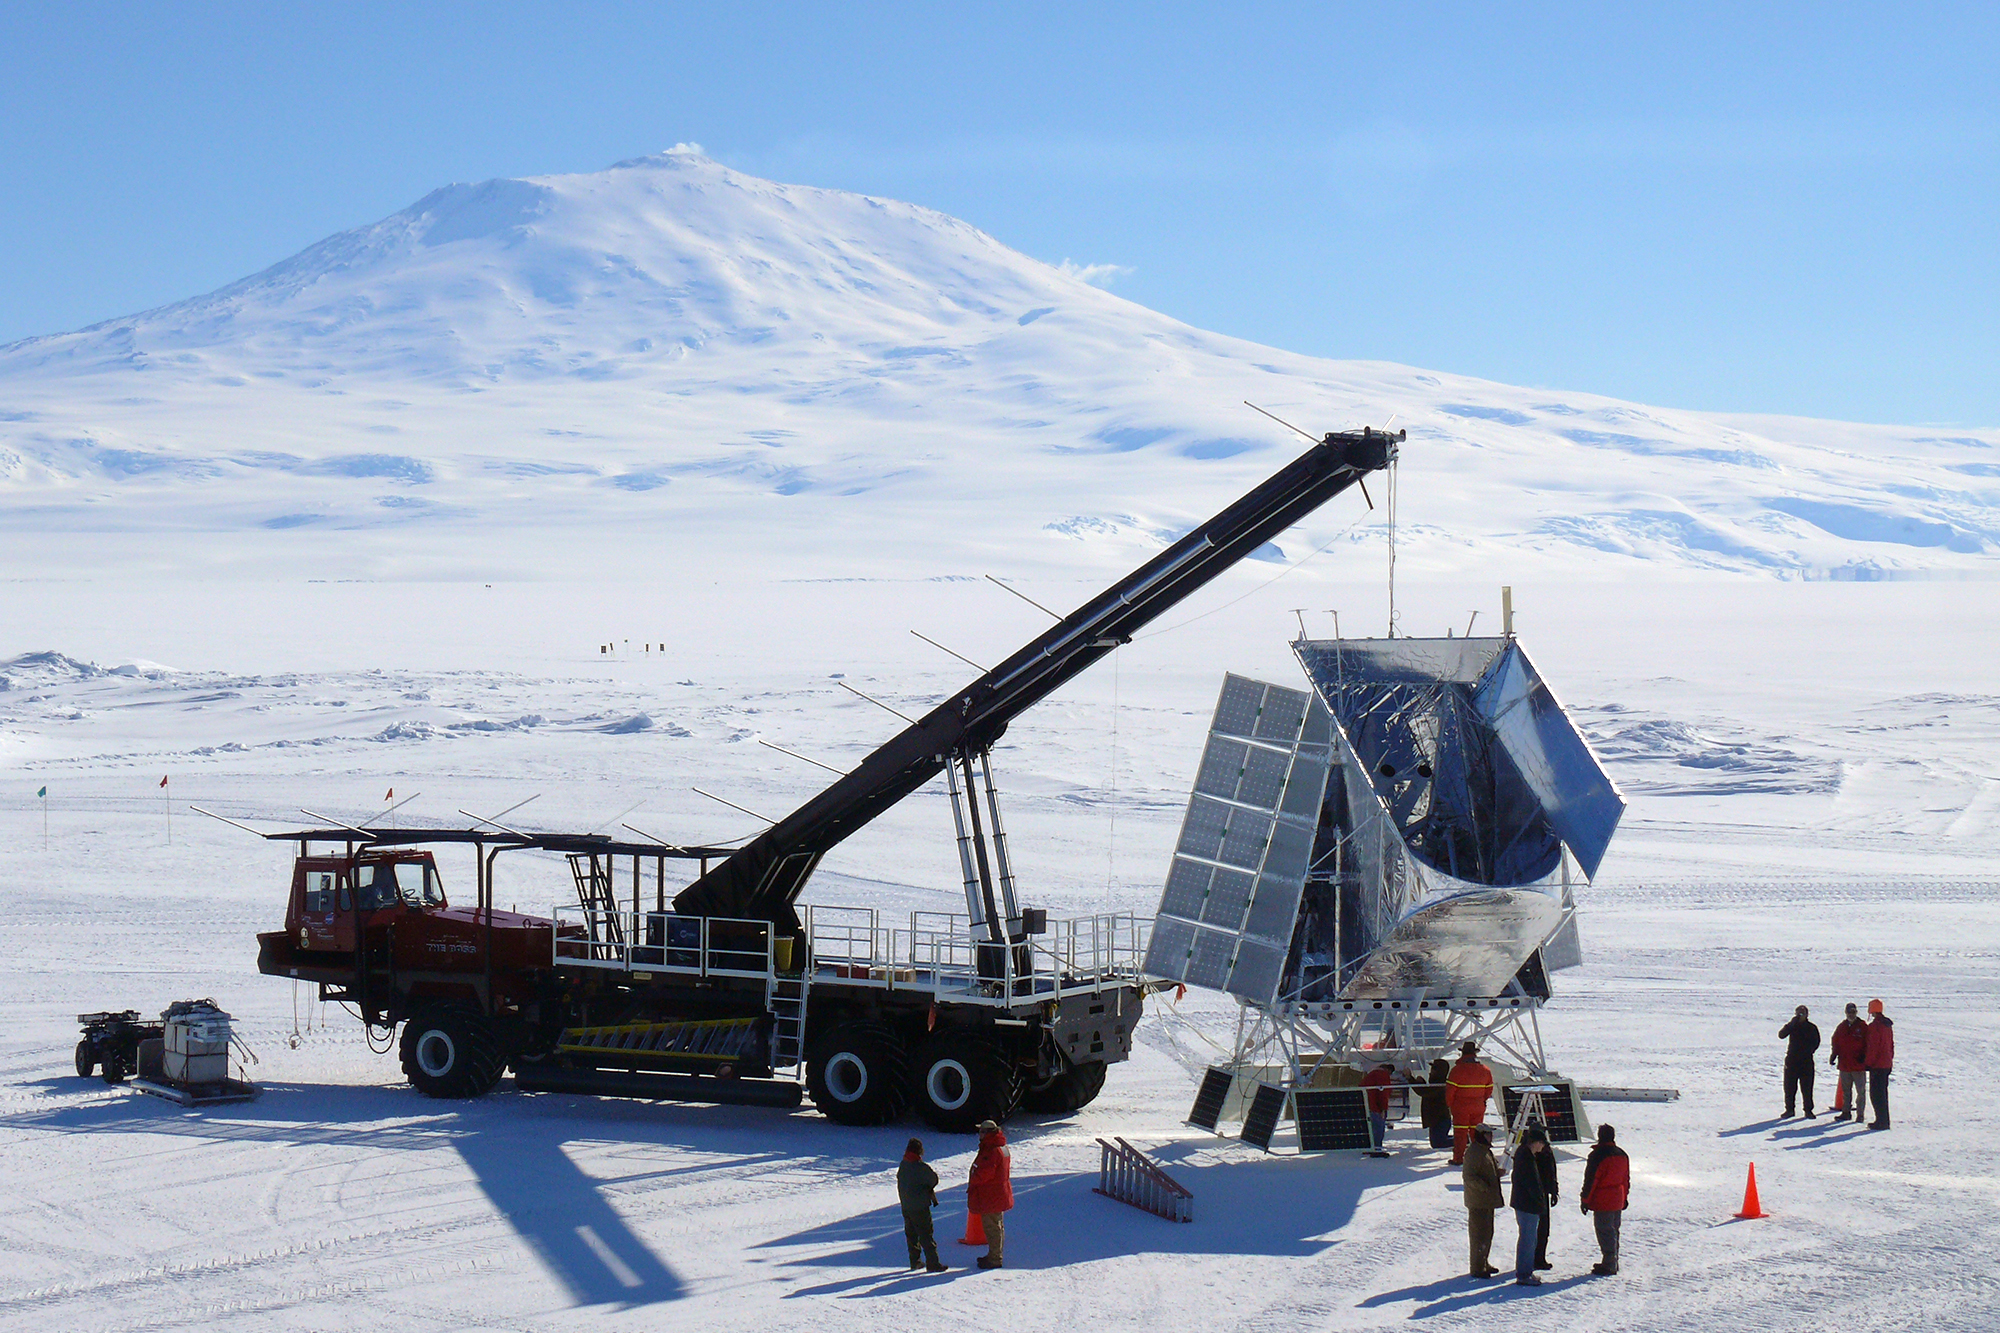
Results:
1097 275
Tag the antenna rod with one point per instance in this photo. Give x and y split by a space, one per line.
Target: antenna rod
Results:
1280 420
1024 597
654 837
481 819
960 656
731 804
224 818
351 828
877 702
400 804
620 815
794 754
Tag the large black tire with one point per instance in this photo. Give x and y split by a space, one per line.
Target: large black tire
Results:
858 1074
115 1068
86 1059
1070 1091
960 1078
451 1053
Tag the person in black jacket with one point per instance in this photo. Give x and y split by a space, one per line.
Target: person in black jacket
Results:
916 1189
1802 1038
1532 1196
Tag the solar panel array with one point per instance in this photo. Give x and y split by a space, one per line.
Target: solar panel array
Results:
1332 1118
1233 890
1208 1102
1558 1110
1261 1121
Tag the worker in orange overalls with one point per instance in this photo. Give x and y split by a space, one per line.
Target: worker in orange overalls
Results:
1467 1091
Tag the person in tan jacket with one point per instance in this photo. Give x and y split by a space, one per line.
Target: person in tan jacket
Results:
1481 1172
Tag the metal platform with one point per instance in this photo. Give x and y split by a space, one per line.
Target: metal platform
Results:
199 1094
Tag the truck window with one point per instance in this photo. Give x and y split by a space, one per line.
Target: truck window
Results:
319 892
418 884
375 885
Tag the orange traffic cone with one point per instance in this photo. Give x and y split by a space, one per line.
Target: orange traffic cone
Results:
1839 1096
1751 1208
975 1231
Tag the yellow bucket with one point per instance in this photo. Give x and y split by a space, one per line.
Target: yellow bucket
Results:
781 953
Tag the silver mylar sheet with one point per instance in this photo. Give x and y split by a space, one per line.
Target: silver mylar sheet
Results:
1461 782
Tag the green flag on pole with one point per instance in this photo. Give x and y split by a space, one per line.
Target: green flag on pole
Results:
43 792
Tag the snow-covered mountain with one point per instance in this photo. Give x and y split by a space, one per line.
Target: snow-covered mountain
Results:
672 359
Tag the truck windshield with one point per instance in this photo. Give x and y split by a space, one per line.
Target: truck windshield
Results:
418 883
386 883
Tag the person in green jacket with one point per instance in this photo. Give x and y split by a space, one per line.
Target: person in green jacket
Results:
1481 1173
916 1188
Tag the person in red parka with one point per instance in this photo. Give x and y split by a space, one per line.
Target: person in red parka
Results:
1850 1057
1879 1055
1607 1184
1377 1083
1467 1091
989 1190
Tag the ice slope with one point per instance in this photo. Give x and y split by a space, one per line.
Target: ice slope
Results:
669 360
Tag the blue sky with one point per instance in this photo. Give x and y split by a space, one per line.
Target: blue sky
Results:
1766 208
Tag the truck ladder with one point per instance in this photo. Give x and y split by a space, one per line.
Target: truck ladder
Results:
785 997
600 910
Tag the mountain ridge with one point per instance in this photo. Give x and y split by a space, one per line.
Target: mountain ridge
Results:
671 342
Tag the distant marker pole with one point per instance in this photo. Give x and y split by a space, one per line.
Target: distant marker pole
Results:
167 804
44 794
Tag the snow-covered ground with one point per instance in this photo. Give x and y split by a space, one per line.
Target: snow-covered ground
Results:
366 520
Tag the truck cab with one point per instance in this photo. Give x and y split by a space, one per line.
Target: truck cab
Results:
336 898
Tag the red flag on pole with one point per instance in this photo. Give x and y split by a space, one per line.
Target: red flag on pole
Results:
391 796
163 782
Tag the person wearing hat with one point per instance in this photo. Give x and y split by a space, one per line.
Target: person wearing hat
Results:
1850 1056
916 1190
1467 1091
1607 1185
1879 1054
1481 1174
1531 1198
989 1190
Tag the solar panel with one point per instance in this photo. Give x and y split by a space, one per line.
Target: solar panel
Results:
1262 1121
1331 1119
1558 1109
1208 1102
1232 894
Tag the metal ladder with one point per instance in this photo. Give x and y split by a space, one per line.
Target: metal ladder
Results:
785 996
593 891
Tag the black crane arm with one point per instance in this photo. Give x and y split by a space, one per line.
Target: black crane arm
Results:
765 877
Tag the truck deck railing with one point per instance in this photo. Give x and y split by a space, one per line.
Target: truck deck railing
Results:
935 952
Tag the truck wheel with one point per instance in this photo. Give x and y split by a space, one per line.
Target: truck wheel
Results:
960 1079
451 1053
858 1074
86 1059
1073 1089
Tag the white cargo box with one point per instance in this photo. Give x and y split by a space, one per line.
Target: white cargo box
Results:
181 1067
196 1041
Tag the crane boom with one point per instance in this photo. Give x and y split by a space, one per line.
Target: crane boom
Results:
765 877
